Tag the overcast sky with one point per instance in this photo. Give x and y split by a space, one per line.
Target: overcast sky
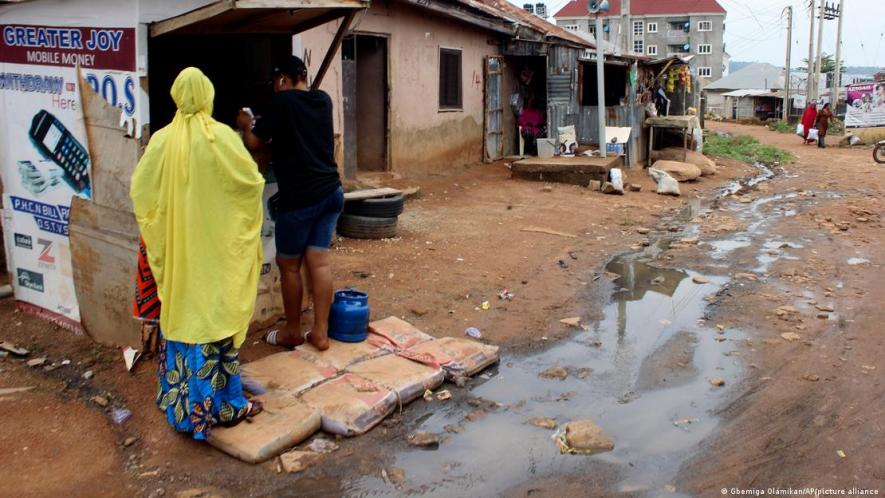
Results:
756 30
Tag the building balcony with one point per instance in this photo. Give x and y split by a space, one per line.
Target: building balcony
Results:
677 36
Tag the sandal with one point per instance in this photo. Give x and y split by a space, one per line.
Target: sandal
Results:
253 408
272 338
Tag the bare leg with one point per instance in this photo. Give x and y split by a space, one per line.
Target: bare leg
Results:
321 279
293 291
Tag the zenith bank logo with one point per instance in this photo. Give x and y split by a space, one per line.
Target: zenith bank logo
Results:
46 257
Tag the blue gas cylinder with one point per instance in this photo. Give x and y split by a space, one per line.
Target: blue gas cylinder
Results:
349 316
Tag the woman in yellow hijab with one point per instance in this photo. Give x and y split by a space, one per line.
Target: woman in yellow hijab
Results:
197 198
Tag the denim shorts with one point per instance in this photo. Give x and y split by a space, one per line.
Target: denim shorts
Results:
306 228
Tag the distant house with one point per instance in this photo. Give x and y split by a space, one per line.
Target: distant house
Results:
659 28
754 91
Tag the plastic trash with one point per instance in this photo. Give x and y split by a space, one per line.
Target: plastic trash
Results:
322 445
698 136
813 135
120 415
666 183
617 180
473 332
568 141
505 295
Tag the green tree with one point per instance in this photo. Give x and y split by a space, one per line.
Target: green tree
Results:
827 65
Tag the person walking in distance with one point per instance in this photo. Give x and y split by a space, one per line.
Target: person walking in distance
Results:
297 125
823 122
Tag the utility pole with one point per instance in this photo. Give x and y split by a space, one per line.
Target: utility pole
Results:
820 42
810 61
786 104
625 25
600 85
837 76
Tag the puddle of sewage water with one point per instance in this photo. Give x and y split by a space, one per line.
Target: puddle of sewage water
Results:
500 451
724 246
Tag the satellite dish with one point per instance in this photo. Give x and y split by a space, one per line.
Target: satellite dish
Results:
596 6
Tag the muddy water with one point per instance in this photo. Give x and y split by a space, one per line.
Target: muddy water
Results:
645 368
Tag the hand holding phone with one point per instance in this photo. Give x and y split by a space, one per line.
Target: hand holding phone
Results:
245 119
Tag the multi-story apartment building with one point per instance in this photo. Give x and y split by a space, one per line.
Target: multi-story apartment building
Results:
659 28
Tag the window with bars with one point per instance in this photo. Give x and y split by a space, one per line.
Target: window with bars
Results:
652 27
705 25
705 72
705 48
450 78
638 46
638 27
652 50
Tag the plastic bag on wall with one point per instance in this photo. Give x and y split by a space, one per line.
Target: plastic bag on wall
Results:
698 136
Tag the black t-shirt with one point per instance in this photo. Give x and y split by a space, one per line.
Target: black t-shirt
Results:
298 125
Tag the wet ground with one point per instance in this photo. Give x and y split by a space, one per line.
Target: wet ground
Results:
696 298
643 373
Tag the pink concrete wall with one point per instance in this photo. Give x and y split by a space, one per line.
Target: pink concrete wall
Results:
423 138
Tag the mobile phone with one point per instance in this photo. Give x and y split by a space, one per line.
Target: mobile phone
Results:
55 142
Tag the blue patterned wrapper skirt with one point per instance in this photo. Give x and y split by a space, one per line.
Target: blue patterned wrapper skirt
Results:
199 385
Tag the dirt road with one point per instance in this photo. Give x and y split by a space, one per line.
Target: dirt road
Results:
695 298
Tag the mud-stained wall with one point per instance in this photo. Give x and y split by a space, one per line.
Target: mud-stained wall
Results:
422 137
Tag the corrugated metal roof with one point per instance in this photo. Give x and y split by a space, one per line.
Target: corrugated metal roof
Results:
578 8
506 10
754 93
759 75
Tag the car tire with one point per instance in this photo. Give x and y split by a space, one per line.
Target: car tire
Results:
381 207
366 227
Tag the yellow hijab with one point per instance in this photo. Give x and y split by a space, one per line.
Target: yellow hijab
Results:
197 196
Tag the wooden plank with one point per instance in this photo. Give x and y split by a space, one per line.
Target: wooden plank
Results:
360 195
578 170
301 4
333 49
673 122
194 16
559 162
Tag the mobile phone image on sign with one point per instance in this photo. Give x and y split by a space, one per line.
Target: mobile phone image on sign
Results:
56 143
